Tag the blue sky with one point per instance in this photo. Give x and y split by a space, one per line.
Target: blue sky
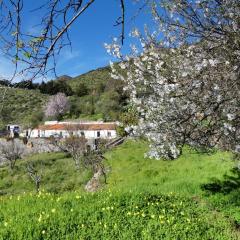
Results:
88 35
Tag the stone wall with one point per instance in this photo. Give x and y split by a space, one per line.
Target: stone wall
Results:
32 147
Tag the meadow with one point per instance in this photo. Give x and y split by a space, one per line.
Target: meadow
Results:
194 197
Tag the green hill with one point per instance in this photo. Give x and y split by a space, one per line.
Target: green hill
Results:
97 95
20 105
143 199
92 78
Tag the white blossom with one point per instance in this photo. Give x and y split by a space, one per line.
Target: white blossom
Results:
57 105
186 93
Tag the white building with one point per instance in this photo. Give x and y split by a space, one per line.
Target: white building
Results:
13 130
89 130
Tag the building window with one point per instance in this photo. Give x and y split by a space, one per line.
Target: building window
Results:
96 143
109 134
82 134
98 134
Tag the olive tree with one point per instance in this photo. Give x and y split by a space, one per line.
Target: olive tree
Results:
76 146
35 175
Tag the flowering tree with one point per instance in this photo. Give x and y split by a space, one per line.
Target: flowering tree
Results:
184 80
11 151
57 106
76 146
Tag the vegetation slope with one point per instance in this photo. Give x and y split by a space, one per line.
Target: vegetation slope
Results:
20 105
97 95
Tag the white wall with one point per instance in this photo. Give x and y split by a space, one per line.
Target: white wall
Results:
105 134
34 133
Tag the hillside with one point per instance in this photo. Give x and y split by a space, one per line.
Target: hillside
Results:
20 105
183 176
97 95
144 198
92 78
93 95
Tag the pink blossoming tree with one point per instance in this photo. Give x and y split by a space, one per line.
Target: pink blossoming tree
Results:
57 106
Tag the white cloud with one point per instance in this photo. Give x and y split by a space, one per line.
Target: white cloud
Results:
67 55
6 68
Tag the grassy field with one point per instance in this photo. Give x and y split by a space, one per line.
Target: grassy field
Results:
194 197
57 172
183 176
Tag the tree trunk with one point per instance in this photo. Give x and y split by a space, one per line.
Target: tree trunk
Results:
37 186
12 164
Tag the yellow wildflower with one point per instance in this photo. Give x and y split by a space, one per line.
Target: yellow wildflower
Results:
40 218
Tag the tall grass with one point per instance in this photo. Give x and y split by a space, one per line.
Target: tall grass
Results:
183 176
110 216
57 171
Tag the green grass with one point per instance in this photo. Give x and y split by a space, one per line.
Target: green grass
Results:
57 172
144 198
129 171
183 176
109 216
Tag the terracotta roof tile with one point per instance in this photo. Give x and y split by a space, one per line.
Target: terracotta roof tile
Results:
82 126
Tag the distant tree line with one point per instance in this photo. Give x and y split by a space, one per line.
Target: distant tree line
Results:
51 87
